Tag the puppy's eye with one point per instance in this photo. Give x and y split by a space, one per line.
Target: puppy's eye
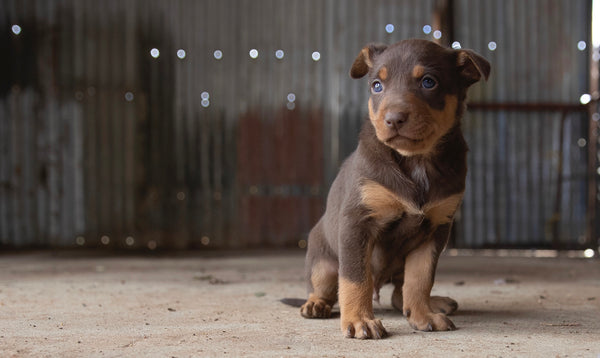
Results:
428 82
376 87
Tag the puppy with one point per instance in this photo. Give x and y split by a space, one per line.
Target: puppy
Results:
391 207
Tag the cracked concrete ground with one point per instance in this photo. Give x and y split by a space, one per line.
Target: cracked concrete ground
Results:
74 304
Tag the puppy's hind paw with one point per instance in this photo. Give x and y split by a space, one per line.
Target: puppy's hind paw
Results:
431 322
444 305
315 308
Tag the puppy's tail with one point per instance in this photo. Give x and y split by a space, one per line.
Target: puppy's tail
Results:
294 302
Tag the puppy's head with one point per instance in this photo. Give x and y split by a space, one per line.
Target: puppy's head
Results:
417 91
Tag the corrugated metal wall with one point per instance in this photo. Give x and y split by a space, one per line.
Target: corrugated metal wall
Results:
104 145
527 180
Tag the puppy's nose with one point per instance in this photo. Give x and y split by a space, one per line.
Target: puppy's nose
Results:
393 119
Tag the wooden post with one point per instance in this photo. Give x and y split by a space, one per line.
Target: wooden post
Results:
592 240
443 20
594 125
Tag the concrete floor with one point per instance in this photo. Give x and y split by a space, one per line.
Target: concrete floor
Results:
74 305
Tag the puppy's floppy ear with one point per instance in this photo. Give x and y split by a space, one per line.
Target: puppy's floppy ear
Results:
472 67
364 61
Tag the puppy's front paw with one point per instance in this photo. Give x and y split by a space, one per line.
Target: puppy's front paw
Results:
315 307
363 328
430 322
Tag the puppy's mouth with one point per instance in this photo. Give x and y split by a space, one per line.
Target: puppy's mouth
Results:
398 137
409 142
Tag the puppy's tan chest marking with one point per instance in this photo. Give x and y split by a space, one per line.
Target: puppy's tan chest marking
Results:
442 212
385 206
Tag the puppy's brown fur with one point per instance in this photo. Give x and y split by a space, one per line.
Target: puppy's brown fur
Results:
390 209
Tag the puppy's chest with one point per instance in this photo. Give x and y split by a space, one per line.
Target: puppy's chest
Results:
385 206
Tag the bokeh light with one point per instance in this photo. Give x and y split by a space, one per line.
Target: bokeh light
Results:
589 253
585 98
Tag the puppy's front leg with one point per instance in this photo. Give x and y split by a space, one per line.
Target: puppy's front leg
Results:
356 288
419 274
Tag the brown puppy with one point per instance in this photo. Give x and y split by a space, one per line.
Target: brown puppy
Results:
390 209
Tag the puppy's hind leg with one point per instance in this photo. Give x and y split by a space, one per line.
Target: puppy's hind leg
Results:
323 280
322 274
398 282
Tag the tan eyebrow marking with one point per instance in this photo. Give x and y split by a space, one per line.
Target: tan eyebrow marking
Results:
418 71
